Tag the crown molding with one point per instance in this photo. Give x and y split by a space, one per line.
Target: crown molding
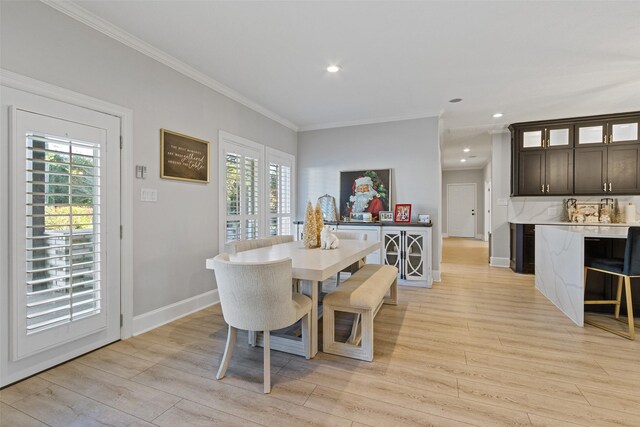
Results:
84 16
360 122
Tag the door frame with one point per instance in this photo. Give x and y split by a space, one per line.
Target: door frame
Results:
26 84
475 206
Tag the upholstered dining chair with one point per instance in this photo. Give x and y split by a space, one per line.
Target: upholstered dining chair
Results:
245 245
625 269
257 297
347 235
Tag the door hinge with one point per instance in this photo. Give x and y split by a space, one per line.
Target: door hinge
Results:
121 142
121 320
121 232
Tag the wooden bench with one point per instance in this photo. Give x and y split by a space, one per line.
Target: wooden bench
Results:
362 294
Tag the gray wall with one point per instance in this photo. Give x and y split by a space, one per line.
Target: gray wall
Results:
410 148
473 176
173 237
500 192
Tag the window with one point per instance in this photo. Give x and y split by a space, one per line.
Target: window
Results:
63 230
280 185
258 195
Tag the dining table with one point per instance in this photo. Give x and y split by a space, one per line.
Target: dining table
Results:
311 267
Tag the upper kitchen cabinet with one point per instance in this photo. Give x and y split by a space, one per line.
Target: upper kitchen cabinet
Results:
545 137
580 156
616 131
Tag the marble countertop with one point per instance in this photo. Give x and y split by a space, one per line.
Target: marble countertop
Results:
594 231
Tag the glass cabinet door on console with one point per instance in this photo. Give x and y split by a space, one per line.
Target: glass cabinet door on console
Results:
408 249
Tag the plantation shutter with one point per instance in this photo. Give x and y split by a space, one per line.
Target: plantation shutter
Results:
280 182
243 198
62 203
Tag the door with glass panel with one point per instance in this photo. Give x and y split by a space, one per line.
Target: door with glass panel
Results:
65 234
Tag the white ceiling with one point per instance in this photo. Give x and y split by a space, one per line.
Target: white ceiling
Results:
477 140
529 60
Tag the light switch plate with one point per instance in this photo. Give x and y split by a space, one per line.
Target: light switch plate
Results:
148 195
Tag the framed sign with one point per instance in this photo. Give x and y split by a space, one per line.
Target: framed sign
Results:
183 157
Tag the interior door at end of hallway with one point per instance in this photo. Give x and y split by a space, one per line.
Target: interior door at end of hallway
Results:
461 210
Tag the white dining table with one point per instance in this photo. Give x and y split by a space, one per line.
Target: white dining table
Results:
310 266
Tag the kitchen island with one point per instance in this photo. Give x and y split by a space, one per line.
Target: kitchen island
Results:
559 263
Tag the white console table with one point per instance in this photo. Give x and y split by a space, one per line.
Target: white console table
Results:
406 246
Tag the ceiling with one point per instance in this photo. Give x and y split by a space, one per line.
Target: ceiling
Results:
529 60
476 139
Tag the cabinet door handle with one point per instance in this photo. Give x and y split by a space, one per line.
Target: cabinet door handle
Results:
542 188
609 186
604 187
547 188
605 138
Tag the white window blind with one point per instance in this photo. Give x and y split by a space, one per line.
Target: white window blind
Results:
62 202
258 199
243 181
280 182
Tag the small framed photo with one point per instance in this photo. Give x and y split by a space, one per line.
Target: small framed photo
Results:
402 213
386 216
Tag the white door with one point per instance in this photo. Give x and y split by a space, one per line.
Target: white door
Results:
461 210
65 234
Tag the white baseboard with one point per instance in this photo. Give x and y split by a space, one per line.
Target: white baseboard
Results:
436 275
500 262
445 235
161 316
480 236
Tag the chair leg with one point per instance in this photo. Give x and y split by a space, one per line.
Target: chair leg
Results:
627 288
618 297
338 279
267 362
228 352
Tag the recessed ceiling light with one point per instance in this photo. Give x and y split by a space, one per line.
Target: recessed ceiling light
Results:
463 160
333 68
497 115
466 150
454 100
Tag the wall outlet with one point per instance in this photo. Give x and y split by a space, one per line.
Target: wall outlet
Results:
148 195
552 211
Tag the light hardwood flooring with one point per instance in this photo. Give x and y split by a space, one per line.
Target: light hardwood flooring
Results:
482 347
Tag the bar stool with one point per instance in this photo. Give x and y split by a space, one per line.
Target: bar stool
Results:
625 268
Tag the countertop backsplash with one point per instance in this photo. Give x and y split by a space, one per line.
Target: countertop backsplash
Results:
541 209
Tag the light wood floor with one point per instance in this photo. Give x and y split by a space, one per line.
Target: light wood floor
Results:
482 348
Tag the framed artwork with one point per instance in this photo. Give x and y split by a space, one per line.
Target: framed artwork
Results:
365 190
183 157
386 216
402 213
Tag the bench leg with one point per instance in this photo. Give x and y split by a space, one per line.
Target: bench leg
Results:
393 294
367 335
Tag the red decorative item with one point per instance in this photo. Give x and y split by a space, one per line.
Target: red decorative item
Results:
402 213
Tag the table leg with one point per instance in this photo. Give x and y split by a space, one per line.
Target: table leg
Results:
311 290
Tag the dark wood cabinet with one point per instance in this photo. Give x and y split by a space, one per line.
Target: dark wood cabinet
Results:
607 170
523 248
559 172
532 173
590 170
598 155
